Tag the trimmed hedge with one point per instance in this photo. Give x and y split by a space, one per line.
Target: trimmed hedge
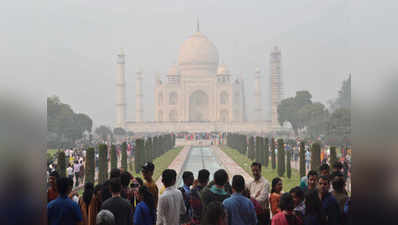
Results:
273 160
124 156
281 158
266 152
315 156
61 167
102 161
113 157
302 159
90 165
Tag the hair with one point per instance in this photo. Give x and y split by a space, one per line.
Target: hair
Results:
105 191
246 193
147 197
105 217
125 178
312 173
256 164
214 212
139 180
115 172
338 165
54 174
324 178
116 185
275 181
203 176
169 177
336 174
324 166
97 188
238 183
286 202
88 193
220 177
297 192
313 205
63 185
186 175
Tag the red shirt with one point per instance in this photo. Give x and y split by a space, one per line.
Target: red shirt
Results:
51 194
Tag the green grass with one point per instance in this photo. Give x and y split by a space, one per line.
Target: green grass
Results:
52 151
268 173
161 163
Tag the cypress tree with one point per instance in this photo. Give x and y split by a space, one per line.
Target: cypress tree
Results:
251 148
61 167
113 157
333 156
315 156
258 149
139 146
288 165
155 147
90 165
266 152
280 158
273 160
124 156
101 163
302 159
106 164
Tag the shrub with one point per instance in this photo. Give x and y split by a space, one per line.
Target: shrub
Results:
90 165
302 159
315 156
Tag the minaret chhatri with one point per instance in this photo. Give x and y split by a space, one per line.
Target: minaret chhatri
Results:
276 84
120 91
257 95
139 97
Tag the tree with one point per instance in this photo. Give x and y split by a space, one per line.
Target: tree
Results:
113 157
314 117
251 148
281 158
119 131
302 159
139 148
288 164
90 165
315 156
102 148
124 156
266 153
103 132
61 167
148 150
333 156
258 149
273 160
339 127
344 95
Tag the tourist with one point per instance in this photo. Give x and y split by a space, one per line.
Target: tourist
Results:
145 212
297 194
115 172
194 199
286 216
119 206
98 196
216 191
147 173
69 171
105 217
88 204
259 190
188 179
307 159
339 192
125 179
171 203
240 210
63 210
337 167
324 170
105 191
329 203
314 214
76 170
312 181
215 214
134 187
52 192
261 218
275 196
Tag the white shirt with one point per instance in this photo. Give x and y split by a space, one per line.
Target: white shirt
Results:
76 167
170 206
69 171
259 190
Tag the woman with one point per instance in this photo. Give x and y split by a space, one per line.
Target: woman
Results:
98 197
145 211
88 204
314 214
286 215
275 195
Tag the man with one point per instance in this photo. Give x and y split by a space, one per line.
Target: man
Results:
240 210
52 192
105 217
216 191
298 197
324 170
120 207
307 159
171 203
76 169
188 179
259 190
311 181
69 171
64 210
194 198
339 192
337 167
147 173
329 203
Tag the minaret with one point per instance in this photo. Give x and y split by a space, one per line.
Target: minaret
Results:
139 97
257 95
276 84
120 92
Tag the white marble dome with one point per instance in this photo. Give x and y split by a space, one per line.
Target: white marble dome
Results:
173 70
223 70
198 55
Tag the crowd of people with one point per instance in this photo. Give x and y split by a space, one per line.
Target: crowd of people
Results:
126 200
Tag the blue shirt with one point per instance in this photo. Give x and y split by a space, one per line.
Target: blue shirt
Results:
63 210
240 210
331 207
143 215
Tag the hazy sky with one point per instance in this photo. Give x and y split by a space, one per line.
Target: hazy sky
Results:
68 48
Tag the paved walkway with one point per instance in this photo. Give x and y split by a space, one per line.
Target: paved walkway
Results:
230 165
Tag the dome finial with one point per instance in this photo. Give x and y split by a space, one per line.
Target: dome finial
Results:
197 24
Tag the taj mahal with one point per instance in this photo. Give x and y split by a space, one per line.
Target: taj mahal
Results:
199 94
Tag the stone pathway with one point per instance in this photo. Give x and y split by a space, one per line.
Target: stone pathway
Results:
230 165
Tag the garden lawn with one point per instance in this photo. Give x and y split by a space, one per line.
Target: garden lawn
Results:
52 151
161 163
268 173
